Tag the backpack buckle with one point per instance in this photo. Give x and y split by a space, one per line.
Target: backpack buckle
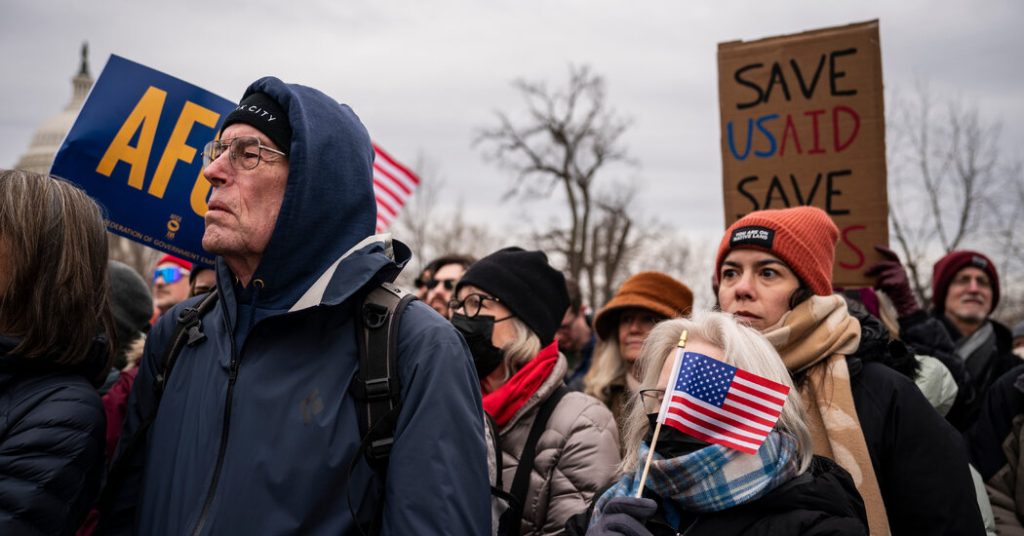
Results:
374 315
377 389
381 448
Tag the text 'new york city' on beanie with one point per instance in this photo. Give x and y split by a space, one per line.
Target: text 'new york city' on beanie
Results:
265 115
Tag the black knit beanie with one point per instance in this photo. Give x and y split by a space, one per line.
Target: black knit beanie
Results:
131 302
526 284
265 115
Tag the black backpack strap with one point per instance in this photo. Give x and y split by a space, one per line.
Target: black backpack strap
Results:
498 489
512 519
376 387
188 331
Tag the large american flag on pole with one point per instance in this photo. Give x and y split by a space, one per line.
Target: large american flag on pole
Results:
393 185
721 404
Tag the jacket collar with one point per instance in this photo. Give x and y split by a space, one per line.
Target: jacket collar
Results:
554 380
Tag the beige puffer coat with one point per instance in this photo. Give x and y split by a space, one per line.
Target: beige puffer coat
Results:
576 455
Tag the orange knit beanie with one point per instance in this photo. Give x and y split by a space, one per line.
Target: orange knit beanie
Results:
802 237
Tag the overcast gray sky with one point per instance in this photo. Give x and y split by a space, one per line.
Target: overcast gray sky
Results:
424 75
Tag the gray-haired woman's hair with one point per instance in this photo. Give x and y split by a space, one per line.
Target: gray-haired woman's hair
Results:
54 242
742 347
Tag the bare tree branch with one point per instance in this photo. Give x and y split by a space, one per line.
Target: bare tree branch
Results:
949 163
568 138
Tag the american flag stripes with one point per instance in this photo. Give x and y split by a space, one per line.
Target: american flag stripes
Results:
718 403
393 185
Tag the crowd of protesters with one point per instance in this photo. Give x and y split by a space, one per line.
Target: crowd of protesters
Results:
243 398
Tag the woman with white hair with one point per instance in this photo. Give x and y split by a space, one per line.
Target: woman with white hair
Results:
695 487
555 449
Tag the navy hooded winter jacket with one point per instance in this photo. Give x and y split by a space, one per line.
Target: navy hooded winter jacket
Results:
257 432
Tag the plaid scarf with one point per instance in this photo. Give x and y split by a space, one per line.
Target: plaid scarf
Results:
712 479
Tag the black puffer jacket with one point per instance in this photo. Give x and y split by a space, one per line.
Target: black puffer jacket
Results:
52 429
919 459
821 501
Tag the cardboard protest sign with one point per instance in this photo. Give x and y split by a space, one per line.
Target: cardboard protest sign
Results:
136 148
803 124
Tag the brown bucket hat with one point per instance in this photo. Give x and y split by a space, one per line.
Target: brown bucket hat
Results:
653 291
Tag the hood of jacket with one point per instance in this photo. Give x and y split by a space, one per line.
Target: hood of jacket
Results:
876 344
329 204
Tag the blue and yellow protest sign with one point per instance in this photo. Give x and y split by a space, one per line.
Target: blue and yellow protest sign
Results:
136 148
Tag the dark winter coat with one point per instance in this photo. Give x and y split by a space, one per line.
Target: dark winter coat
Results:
927 335
257 431
1003 402
919 458
822 501
51 443
936 336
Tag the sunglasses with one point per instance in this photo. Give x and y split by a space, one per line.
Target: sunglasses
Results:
430 284
170 274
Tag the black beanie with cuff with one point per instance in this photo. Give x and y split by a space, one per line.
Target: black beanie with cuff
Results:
526 284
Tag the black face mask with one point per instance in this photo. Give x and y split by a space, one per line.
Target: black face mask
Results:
671 442
477 331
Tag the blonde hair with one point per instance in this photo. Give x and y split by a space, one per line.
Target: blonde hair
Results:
888 315
525 345
607 367
743 347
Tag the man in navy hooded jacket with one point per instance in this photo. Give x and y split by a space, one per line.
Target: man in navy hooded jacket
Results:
257 429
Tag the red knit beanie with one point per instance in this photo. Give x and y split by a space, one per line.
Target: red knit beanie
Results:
802 237
174 260
947 267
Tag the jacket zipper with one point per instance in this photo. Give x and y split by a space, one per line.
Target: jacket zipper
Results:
232 375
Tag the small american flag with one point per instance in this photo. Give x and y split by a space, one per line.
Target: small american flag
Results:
393 185
721 404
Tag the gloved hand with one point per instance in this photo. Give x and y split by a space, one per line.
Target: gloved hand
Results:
624 516
893 280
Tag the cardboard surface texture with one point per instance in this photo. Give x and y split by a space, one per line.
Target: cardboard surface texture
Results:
803 123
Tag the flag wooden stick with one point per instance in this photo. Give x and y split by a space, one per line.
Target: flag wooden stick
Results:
657 431
647 466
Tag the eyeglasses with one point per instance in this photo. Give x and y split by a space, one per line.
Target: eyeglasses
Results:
169 274
471 304
652 399
245 152
430 284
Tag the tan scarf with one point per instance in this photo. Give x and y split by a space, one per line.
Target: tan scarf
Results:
815 337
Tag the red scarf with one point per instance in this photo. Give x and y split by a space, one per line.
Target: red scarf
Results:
503 403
